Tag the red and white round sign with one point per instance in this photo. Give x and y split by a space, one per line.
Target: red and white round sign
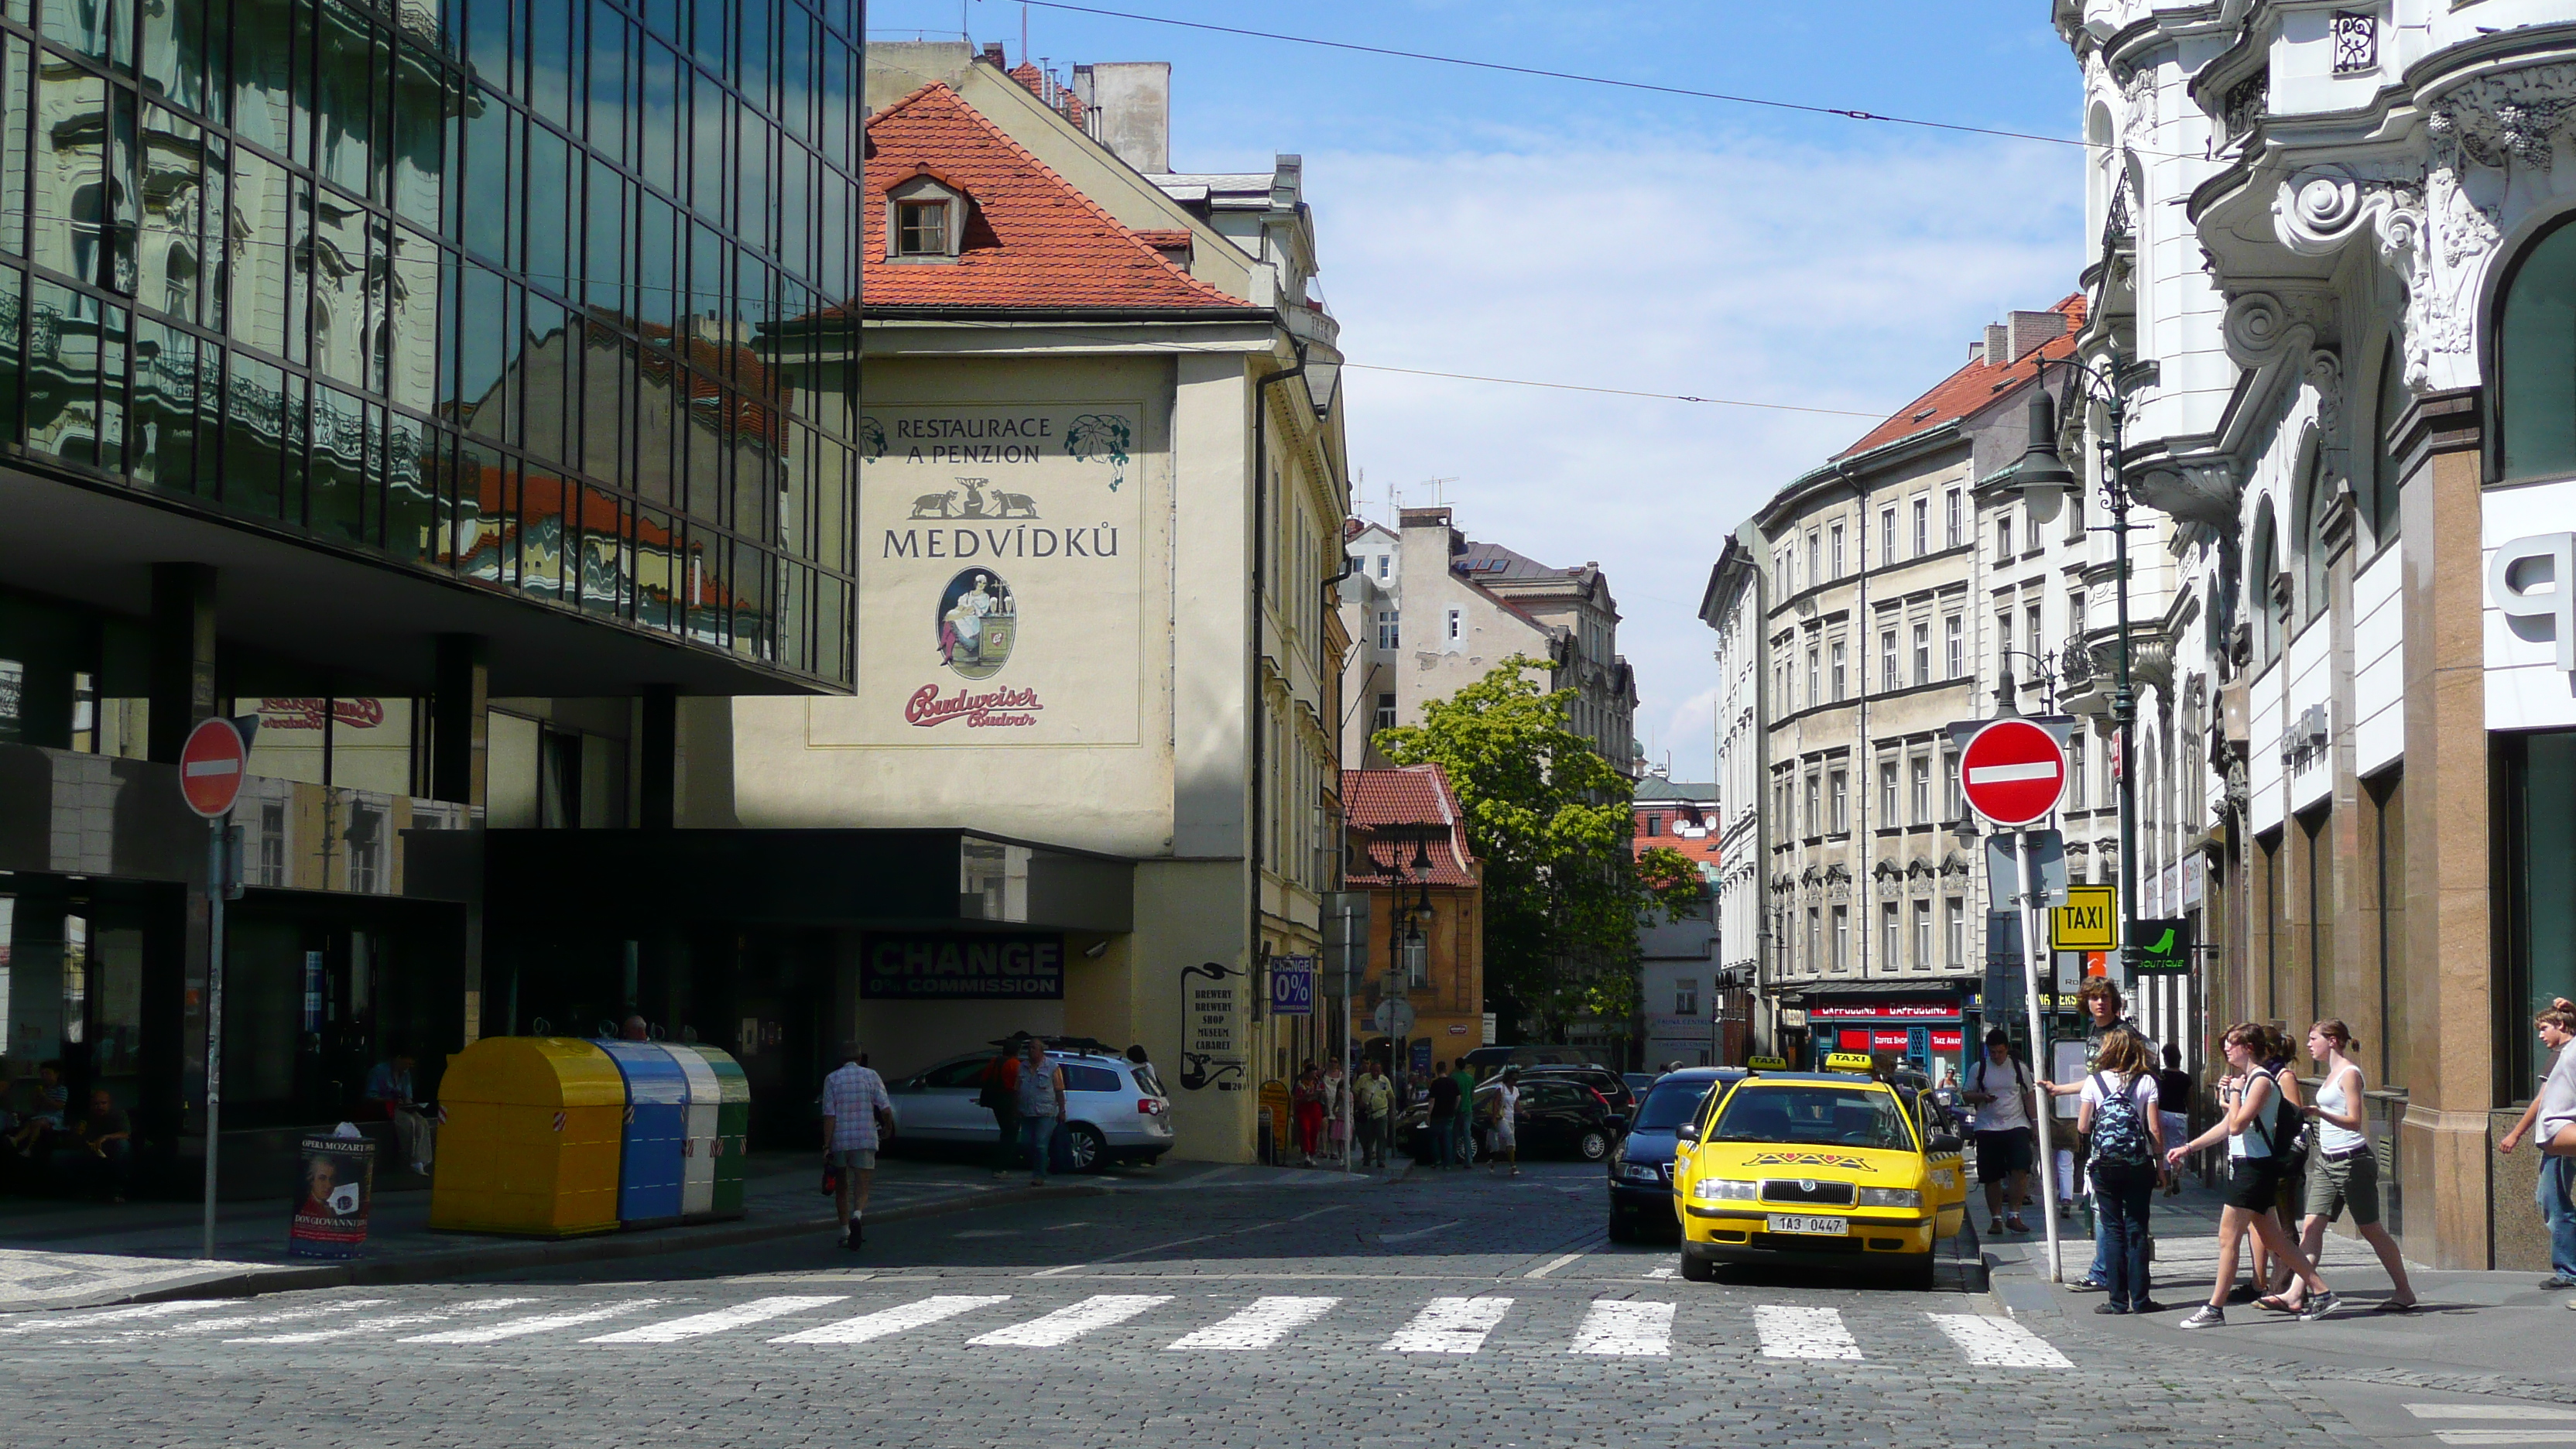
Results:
2012 772
210 768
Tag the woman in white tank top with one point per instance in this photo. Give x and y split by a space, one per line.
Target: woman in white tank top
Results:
2342 1172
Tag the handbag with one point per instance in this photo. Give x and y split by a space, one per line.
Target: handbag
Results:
831 1179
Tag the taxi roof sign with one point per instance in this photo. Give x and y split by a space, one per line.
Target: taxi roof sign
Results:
1849 1062
1766 1064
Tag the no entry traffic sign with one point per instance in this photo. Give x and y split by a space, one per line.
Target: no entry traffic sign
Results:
2013 772
210 768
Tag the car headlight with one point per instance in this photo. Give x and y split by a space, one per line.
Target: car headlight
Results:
1890 1197
1945 1178
1639 1172
1726 1189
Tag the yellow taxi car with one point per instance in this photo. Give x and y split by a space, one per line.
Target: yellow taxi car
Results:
1816 1168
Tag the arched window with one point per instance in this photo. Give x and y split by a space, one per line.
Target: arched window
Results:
2263 564
2536 361
2316 500
2378 500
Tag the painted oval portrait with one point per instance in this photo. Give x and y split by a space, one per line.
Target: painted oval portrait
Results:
976 623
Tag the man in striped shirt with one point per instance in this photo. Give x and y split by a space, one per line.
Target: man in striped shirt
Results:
854 1107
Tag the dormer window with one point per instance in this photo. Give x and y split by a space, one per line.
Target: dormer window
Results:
921 228
925 217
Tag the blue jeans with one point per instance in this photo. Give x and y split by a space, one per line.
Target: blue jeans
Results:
1444 1141
2557 1197
1037 1135
2120 1199
2101 1272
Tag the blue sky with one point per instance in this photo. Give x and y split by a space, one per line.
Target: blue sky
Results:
1508 225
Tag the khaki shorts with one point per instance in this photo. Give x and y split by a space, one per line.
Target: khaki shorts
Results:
2335 1184
856 1159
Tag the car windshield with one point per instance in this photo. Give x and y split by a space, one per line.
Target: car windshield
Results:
1671 1104
1820 1115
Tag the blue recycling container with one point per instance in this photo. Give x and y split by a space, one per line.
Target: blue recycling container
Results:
652 1169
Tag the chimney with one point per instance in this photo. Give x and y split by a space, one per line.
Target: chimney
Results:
1422 518
1998 344
1132 100
992 55
2030 329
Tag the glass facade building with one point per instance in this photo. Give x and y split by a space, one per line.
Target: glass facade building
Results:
542 296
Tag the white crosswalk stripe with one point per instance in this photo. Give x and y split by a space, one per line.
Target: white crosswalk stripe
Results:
1998 1342
1067 1324
2505 1436
386 1324
1626 1328
1266 1322
1789 1332
699 1325
52 1322
895 1320
257 1320
2525 1413
539 1323
1449 1325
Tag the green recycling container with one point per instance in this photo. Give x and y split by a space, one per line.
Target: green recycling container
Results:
733 1127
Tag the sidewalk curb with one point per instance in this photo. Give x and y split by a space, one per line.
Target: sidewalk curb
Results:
607 1247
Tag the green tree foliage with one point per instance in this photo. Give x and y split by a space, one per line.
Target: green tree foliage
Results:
1550 821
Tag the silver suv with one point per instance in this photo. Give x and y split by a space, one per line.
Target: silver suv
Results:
1115 1109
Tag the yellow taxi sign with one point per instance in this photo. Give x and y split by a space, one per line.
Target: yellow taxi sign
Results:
1767 1064
2089 921
1848 1062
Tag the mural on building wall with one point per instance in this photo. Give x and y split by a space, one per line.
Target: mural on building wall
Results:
1002 585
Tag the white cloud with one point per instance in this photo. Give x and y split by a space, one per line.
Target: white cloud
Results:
1837 279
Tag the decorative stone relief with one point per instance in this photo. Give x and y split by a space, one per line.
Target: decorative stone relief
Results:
2138 106
2325 377
2259 330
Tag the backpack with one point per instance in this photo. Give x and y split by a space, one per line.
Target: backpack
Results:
2119 1128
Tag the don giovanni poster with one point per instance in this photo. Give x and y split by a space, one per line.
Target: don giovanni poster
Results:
1000 576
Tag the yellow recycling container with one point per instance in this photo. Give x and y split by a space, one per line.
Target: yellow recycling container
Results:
531 1141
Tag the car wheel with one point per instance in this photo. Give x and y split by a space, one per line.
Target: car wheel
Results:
1623 1228
1085 1148
1918 1276
1698 1270
1593 1145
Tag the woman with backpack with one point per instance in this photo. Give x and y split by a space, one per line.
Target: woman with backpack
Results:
2119 1119
2342 1173
2258 1128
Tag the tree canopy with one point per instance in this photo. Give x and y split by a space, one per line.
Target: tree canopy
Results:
1551 822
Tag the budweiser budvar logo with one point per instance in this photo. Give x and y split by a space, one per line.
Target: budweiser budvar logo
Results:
929 707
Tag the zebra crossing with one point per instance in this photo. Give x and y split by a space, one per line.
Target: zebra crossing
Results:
1453 1325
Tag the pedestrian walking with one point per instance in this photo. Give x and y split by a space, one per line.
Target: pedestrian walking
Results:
2258 1126
1337 1101
2119 1122
2342 1172
2272 1278
2173 1100
1000 1095
1373 1101
1505 1101
1307 1111
2550 1121
855 1112
1039 1096
1999 1089
1446 1108
2104 1015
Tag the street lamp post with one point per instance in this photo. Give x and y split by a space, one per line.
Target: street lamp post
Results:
2042 477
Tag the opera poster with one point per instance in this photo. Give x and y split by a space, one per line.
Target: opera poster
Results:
1001 577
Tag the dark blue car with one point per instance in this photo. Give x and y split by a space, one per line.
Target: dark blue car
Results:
1641 1171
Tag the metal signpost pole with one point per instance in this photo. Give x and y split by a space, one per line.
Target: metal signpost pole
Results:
218 877
2027 868
1350 1040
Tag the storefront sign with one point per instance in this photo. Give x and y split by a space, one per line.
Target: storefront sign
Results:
1001 577
1210 1054
950 966
1292 986
1886 1011
337 1182
2516 576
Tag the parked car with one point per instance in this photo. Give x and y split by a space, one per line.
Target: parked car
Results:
1490 1059
1115 1109
1556 1117
1613 1087
1641 1170
1638 1082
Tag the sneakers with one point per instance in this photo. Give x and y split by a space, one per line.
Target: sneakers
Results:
2016 1224
2088 1285
2317 1306
2209 1316
2114 1309
851 1235
2146 1305
2554 1281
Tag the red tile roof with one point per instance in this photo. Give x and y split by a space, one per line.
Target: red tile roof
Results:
1030 240
1972 387
1702 851
1398 803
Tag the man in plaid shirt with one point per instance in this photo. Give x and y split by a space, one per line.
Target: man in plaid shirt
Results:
854 1108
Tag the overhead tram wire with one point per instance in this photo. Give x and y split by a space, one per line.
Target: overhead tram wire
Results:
1846 113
